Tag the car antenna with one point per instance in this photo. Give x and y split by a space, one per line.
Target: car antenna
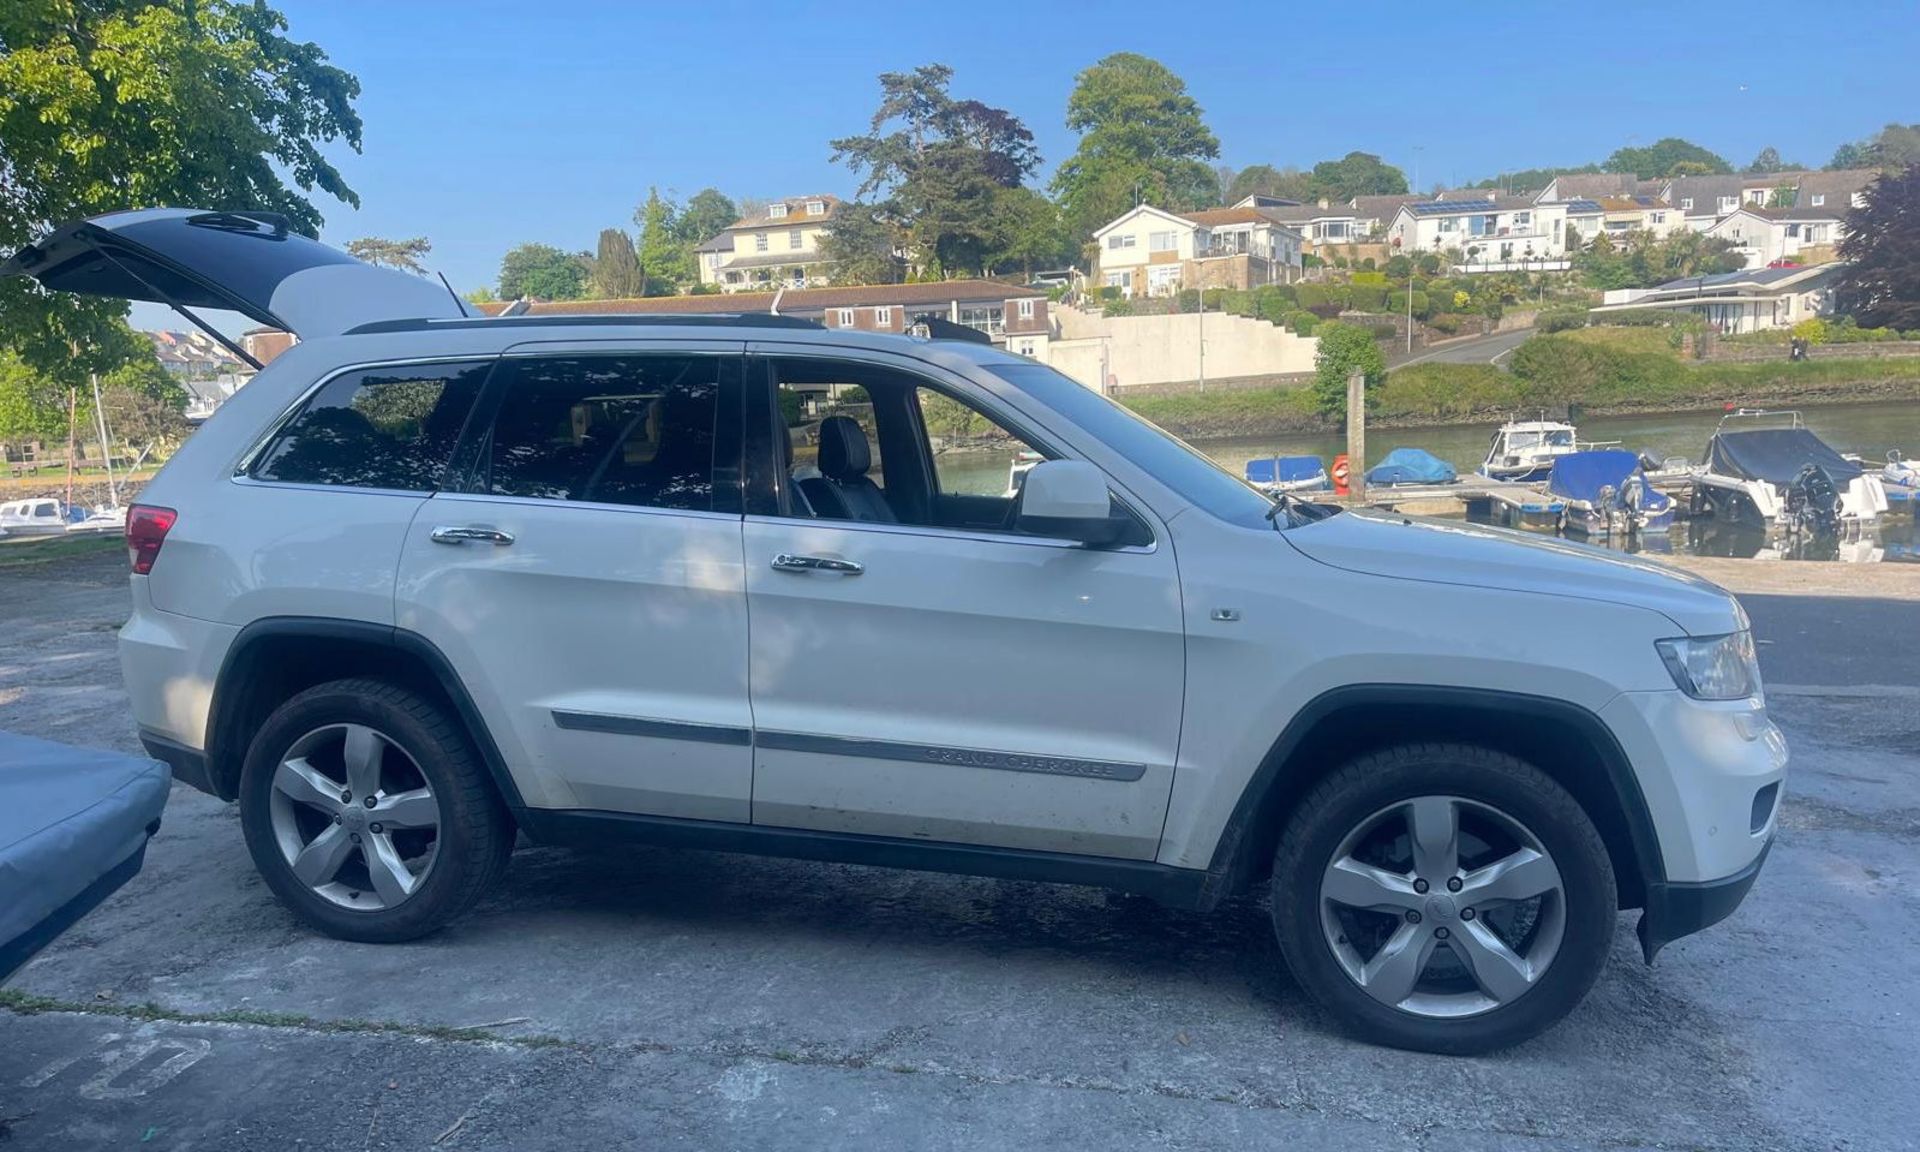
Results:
458 303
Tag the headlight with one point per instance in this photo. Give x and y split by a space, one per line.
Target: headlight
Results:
1713 667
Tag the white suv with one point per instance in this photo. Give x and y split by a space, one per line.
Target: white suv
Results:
744 583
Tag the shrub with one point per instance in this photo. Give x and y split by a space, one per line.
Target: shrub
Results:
1314 297
1399 267
1447 323
1553 370
1188 300
1109 292
1813 330
1560 318
1344 350
1384 331
1309 260
1422 305
1302 322
1118 307
1368 264
1367 298
1434 391
1274 309
1375 279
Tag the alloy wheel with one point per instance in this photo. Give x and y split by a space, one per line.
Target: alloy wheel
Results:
1443 907
354 817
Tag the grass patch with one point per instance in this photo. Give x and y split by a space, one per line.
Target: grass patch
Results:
1627 339
31 552
26 1004
1230 412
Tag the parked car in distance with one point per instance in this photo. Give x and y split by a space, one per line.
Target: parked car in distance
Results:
430 579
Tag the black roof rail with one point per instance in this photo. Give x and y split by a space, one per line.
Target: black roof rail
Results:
606 320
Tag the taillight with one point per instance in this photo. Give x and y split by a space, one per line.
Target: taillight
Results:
147 528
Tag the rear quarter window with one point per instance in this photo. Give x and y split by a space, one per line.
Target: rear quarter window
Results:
391 428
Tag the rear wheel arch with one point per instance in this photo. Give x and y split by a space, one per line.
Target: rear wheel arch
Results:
1567 742
274 659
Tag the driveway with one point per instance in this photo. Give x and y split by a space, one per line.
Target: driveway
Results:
664 999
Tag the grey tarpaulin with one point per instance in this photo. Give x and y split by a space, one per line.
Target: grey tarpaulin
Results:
74 824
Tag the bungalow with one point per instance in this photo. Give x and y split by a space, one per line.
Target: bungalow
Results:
1768 236
780 246
1150 251
1738 302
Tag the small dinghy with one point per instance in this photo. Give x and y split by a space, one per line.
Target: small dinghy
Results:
1607 493
1289 474
1410 466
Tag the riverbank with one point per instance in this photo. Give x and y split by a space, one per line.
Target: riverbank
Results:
1431 395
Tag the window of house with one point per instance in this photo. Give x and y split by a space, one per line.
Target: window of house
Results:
1162 242
388 428
883 317
1656 217
1756 195
1729 203
1686 203
777 212
816 207
1793 231
1449 224
1026 309
1523 219
1819 199
759 241
988 318
633 430
1114 280
793 238
1122 241
845 318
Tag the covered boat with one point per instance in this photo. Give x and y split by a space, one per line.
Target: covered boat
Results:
1606 492
1289 474
1410 466
1783 477
74 824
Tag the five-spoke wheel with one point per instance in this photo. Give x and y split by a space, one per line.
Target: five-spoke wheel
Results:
354 817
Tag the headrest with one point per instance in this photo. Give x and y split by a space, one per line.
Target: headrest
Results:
843 449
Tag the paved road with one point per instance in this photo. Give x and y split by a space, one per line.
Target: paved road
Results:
1483 350
690 1000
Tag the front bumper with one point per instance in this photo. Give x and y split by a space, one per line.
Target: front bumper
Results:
1680 909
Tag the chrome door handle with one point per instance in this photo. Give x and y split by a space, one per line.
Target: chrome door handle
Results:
450 535
787 562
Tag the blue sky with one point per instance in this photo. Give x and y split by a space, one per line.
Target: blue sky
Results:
492 122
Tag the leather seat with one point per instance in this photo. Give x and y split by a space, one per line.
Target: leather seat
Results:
842 491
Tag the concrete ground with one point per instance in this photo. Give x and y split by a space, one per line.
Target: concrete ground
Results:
689 1000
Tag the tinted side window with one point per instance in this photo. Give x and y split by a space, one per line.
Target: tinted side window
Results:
377 428
607 429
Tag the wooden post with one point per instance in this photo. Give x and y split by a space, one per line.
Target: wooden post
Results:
1357 434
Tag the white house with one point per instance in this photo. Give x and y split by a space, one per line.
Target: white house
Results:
779 247
1738 302
1492 234
1767 236
1707 200
1153 252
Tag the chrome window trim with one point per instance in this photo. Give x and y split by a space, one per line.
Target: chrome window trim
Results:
597 505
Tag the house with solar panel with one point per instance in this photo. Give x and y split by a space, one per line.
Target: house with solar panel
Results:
1490 232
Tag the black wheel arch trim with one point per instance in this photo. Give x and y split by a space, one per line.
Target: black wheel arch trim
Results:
220 724
1233 853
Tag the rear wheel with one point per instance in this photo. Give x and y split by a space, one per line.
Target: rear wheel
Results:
368 813
1445 898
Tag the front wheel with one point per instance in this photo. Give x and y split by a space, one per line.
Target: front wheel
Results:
368 812
1444 898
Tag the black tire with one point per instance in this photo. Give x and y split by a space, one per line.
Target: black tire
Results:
475 831
1365 786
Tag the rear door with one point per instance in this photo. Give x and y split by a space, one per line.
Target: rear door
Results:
250 264
585 581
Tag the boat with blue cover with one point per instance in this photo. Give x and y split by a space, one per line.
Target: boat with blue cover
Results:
1288 474
1410 466
1606 493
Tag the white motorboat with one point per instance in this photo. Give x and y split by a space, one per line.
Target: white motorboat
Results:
1768 470
38 516
1523 451
1017 471
103 520
1901 478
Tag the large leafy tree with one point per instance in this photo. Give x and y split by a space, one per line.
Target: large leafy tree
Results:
862 246
402 254
1895 146
543 272
616 267
1036 234
112 104
1768 162
1880 281
1356 174
1670 156
1266 180
705 215
940 165
1533 179
1142 138
1343 350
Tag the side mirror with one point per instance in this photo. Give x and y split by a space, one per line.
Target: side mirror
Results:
1068 500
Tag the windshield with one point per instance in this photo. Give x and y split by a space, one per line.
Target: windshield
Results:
1165 457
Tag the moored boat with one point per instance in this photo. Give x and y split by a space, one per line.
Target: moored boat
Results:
1782 476
1410 466
1524 450
1288 474
38 516
1607 493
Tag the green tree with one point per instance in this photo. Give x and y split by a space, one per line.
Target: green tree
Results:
1356 174
1265 180
1533 179
862 246
616 267
113 104
1768 162
402 254
706 214
1880 281
1344 350
543 272
1670 156
666 261
1036 233
1142 138
1849 155
941 166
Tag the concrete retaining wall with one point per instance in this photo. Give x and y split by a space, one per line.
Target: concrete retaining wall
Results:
1144 350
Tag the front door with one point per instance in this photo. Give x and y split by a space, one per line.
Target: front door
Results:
920 669
585 581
